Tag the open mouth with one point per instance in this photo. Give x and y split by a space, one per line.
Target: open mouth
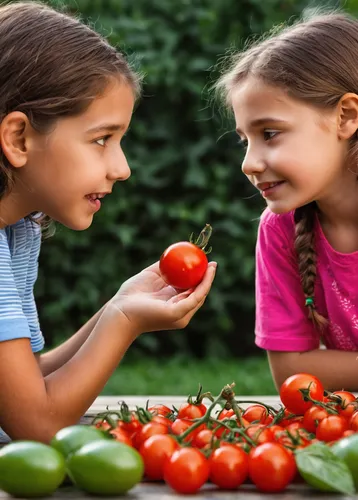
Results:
95 199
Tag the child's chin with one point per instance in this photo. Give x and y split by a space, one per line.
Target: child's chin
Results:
78 225
279 209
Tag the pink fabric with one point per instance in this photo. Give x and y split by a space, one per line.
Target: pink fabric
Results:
281 316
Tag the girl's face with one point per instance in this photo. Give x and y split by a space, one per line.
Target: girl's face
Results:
293 152
69 170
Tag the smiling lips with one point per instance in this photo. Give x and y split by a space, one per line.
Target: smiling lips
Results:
96 196
94 199
268 188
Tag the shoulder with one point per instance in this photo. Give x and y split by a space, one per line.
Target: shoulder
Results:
277 220
277 224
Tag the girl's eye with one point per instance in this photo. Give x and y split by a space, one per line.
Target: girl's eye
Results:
270 134
243 143
102 141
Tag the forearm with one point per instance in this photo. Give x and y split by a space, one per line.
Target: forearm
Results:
336 369
54 359
74 386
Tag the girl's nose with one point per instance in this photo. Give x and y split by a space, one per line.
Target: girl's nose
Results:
119 169
252 164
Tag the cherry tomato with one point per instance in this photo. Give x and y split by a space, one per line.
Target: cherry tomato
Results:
276 430
296 437
257 413
271 467
313 416
348 404
183 264
186 470
160 410
180 425
291 396
189 410
130 426
155 451
353 421
159 419
226 414
102 425
289 417
148 430
259 433
122 436
202 439
331 428
229 467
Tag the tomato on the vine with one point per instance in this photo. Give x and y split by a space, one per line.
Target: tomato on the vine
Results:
180 425
271 467
353 421
160 409
257 413
293 389
186 470
183 264
289 417
191 410
347 404
203 438
259 433
122 436
148 430
229 466
155 451
313 416
331 428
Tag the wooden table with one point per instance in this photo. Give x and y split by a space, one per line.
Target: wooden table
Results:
160 491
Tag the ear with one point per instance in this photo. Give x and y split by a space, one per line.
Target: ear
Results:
347 115
13 133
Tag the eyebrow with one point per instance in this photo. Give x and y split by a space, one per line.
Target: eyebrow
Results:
262 121
106 127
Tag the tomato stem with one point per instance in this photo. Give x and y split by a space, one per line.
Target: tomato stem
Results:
270 409
203 238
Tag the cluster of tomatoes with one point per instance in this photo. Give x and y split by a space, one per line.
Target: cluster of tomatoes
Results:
228 444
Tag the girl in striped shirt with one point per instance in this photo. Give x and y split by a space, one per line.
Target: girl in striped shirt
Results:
66 100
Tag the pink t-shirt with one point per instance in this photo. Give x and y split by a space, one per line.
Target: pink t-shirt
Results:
282 323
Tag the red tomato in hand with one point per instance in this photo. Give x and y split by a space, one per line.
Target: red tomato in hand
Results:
183 264
292 397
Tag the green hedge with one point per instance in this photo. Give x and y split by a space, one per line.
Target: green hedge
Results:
185 172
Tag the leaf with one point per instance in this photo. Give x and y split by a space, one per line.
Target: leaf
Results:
323 470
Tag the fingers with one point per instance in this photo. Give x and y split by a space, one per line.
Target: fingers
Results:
153 267
194 301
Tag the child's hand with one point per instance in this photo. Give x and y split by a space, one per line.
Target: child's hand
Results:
150 304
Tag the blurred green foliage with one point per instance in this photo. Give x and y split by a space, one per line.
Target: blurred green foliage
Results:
185 172
160 376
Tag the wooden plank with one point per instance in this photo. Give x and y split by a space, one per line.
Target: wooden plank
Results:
160 491
113 402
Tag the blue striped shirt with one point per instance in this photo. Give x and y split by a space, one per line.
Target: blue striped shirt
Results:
19 252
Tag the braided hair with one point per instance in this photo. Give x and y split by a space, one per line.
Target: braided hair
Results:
304 218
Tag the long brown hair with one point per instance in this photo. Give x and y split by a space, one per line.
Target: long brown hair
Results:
51 66
314 60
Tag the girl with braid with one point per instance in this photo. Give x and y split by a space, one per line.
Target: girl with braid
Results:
294 95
